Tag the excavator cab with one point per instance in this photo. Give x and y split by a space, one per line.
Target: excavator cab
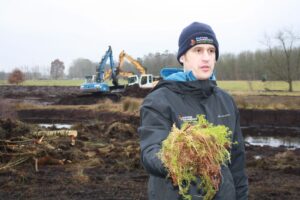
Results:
133 79
144 81
90 79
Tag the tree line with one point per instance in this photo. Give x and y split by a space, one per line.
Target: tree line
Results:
280 60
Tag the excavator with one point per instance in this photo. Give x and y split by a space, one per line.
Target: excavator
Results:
95 83
143 80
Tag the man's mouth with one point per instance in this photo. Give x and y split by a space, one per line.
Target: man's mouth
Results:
205 68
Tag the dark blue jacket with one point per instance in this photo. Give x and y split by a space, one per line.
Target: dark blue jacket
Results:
175 102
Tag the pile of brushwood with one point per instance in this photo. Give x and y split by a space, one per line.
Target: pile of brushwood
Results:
21 142
104 145
196 150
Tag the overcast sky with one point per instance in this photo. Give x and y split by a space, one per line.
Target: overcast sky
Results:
35 32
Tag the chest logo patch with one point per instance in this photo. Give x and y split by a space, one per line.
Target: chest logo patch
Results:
223 116
187 118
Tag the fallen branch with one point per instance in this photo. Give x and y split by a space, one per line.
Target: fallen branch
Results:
69 133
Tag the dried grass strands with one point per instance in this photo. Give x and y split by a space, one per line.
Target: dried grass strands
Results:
14 162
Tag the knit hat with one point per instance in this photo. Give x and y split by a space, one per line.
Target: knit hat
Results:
196 33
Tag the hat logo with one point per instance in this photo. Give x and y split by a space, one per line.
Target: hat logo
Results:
204 40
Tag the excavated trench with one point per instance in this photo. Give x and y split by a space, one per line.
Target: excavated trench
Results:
105 161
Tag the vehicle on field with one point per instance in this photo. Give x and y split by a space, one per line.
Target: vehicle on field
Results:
96 83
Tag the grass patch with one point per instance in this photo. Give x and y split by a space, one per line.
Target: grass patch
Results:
131 104
267 102
59 82
127 104
108 104
29 106
3 82
258 86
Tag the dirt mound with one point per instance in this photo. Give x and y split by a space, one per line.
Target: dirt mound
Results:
86 99
12 129
7 109
267 166
74 115
68 95
136 91
18 91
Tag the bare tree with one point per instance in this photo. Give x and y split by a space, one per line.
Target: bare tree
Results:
16 77
283 57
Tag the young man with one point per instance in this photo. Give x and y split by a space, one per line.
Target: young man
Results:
181 98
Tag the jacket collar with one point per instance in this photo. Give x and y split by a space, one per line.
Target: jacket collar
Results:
203 88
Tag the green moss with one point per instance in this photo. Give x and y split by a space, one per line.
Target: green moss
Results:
196 150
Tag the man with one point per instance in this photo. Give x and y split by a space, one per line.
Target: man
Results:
180 98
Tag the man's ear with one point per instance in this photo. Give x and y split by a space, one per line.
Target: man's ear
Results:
181 59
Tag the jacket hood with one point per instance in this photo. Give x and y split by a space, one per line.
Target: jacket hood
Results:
204 88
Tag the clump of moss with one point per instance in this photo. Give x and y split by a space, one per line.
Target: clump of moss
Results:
196 150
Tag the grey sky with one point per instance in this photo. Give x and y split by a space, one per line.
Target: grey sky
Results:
35 32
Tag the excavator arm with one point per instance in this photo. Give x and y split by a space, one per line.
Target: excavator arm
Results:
136 64
108 74
96 82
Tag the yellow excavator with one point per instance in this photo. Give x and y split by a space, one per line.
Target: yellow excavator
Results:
143 80
118 70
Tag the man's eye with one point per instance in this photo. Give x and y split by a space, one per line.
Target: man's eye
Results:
198 50
212 50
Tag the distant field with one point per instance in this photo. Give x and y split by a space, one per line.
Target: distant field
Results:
55 82
257 85
269 87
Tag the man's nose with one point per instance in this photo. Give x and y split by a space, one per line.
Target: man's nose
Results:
205 55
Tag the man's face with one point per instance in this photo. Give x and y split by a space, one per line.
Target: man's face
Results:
201 60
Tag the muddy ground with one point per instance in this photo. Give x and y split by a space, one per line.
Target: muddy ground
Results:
104 162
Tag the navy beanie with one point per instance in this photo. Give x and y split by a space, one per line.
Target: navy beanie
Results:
196 33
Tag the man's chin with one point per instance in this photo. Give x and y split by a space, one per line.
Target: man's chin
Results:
204 76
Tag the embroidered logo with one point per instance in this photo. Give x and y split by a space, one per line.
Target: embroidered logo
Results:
223 116
187 118
204 40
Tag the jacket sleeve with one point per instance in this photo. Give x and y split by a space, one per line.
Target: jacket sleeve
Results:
237 165
154 128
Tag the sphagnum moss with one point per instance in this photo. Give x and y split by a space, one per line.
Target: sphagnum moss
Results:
196 150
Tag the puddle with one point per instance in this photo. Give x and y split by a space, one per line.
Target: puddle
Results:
257 157
59 126
289 142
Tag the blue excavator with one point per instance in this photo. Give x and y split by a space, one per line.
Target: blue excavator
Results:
95 83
